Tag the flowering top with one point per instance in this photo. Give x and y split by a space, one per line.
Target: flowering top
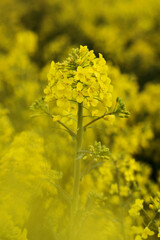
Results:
81 78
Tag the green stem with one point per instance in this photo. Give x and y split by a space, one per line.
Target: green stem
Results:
77 169
77 162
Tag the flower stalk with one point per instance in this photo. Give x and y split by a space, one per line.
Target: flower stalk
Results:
77 162
77 170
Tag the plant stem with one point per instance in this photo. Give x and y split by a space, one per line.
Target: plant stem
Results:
68 129
77 170
77 162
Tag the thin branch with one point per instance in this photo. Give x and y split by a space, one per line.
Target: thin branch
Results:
96 119
68 129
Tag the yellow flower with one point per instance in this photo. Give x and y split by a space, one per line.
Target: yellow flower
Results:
108 100
92 102
113 188
136 207
72 108
80 75
124 191
60 85
79 97
79 86
147 232
83 49
138 237
81 78
61 102
151 206
95 112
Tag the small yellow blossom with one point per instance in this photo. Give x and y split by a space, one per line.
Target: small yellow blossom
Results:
124 191
79 86
151 206
147 232
136 207
113 188
138 237
95 112
80 75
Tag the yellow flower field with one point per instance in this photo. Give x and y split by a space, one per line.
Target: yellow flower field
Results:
80 120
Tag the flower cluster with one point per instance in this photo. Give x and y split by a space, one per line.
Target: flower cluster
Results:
136 207
149 217
81 78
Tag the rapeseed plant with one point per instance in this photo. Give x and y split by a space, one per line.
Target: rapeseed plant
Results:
81 81
117 197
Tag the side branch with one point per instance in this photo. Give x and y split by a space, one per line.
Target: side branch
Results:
96 119
62 124
68 129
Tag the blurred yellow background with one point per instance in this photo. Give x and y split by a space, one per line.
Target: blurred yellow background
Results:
33 33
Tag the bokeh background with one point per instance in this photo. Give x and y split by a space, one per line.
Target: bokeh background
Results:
33 33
